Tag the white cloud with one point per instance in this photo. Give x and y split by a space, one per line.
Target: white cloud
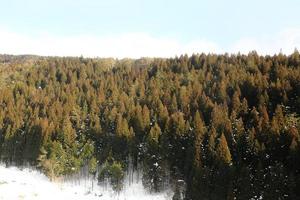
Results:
286 41
137 45
199 46
125 45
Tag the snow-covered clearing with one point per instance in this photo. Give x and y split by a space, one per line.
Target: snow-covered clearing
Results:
30 184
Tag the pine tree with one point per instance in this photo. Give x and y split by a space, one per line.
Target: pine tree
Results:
69 134
146 117
211 144
173 106
163 115
122 128
155 133
178 124
222 151
236 103
92 165
199 131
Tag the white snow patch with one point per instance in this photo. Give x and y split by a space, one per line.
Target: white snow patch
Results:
30 184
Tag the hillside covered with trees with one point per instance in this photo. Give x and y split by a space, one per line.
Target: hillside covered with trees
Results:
219 126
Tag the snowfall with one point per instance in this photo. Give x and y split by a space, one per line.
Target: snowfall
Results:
26 183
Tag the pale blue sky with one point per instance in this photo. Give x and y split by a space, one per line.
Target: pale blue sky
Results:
221 22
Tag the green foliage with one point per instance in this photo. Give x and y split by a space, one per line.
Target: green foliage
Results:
114 172
92 165
57 161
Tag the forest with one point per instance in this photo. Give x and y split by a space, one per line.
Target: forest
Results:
209 126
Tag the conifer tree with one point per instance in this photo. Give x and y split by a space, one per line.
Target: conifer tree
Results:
199 131
222 151
155 133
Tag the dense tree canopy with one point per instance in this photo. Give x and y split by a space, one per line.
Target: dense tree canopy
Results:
228 125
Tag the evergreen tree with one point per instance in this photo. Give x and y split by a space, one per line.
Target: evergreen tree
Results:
199 131
66 113
222 151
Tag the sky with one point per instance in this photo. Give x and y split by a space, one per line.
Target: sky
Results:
148 28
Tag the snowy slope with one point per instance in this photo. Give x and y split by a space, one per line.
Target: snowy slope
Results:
30 184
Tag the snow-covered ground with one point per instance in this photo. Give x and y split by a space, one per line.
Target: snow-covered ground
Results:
30 184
